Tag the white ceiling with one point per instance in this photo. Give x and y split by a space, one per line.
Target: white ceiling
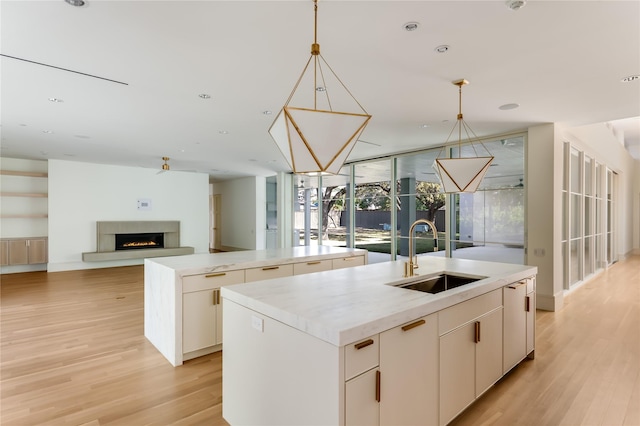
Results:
561 61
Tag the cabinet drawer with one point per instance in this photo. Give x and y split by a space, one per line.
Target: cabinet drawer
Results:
311 266
361 356
462 313
268 272
347 262
211 280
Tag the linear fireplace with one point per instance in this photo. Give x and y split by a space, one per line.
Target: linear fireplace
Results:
140 241
136 240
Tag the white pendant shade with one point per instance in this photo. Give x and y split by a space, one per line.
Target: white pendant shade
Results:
316 140
461 174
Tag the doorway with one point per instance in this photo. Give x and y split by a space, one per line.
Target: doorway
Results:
215 238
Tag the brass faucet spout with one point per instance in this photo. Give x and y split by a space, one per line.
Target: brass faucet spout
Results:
410 266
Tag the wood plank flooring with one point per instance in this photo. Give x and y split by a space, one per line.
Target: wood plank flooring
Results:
73 353
587 361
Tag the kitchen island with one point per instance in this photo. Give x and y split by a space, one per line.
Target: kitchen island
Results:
182 303
352 347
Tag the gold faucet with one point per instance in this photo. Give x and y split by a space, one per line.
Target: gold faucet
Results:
411 265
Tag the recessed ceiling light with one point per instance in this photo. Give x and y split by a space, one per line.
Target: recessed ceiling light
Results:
57 100
508 106
411 26
515 4
321 89
77 3
47 131
223 132
266 112
630 78
443 48
204 96
424 126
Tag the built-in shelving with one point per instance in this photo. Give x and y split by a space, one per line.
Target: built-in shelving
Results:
22 194
23 173
24 214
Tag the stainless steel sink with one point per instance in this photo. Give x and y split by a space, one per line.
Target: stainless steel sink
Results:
438 283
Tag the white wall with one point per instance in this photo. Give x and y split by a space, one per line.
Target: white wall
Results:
243 222
80 194
544 213
636 209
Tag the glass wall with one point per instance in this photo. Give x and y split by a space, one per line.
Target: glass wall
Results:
321 209
486 225
419 196
491 220
372 208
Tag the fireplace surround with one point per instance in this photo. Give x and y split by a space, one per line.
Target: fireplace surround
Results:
106 240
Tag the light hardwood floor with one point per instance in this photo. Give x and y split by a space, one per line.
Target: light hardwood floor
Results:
73 353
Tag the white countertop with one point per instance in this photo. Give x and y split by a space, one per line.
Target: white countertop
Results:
346 305
205 263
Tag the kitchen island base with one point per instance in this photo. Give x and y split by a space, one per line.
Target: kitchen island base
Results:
351 348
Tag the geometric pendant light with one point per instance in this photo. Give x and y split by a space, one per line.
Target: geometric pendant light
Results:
462 174
312 135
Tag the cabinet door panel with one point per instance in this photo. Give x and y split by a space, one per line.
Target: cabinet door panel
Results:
218 338
457 371
531 322
409 366
489 351
515 318
18 252
199 314
4 253
38 251
361 406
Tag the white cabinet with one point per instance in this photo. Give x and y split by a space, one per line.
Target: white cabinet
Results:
530 307
268 272
362 400
312 266
488 350
519 322
470 351
348 262
409 373
362 387
394 381
202 310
